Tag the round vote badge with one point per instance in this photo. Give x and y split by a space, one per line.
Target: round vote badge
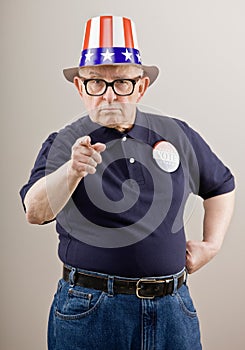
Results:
166 156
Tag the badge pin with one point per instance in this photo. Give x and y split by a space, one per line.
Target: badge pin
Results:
166 156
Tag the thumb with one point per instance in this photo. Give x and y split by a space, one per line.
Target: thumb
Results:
99 147
188 247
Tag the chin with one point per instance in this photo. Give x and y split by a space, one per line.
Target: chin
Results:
108 119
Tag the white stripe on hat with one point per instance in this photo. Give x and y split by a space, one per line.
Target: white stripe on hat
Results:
118 32
134 36
94 39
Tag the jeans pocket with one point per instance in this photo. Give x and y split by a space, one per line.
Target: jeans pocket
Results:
185 301
77 302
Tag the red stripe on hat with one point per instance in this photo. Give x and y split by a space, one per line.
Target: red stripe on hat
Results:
87 35
106 36
128 35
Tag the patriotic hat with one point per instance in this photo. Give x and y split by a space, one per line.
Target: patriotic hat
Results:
110 40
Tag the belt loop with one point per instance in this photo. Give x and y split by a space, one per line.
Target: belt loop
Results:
175 279
110 283
72 277
186 276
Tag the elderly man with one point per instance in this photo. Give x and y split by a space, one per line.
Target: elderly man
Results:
116 181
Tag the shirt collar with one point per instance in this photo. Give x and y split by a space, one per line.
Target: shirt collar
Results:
140 130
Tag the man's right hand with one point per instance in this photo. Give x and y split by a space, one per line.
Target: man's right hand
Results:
85 157
46 198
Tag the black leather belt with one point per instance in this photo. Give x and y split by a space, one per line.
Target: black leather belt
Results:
143 287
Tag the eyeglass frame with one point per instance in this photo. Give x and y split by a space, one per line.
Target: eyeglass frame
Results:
133 81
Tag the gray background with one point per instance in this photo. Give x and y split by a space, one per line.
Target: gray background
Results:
200 49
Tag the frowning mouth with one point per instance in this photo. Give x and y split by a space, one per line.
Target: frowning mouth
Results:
110 109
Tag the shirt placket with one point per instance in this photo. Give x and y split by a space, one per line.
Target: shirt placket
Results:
130 152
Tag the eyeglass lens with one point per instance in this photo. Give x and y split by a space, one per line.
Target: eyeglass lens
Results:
99 86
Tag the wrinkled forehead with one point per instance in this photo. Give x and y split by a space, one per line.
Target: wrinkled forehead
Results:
112 71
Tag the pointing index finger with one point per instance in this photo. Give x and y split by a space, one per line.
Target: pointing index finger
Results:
85 141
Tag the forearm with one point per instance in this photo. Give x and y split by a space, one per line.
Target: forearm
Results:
217 216
49 195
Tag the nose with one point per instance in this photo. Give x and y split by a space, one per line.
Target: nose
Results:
109 95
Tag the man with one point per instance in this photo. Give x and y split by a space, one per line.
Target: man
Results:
116 182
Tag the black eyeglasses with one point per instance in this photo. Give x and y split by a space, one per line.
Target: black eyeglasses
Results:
121 87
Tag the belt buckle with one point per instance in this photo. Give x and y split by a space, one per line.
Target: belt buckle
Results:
145 280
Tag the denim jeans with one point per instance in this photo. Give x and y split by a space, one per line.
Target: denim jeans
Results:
88 319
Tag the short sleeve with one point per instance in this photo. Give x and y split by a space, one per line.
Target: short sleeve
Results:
215 178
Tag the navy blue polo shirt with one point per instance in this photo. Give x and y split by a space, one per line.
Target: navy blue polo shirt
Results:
127 218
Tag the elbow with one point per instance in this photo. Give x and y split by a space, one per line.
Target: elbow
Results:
37 213
33 219
32 210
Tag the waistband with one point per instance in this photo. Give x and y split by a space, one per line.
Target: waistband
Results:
146 287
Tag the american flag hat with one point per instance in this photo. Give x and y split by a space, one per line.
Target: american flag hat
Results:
110 40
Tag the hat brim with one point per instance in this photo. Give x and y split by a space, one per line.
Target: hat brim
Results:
149 71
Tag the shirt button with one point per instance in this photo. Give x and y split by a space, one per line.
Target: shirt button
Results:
131 160
124 138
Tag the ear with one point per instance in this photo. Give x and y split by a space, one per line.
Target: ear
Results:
77 82
143 86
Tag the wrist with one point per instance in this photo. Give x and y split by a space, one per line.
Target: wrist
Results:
73 176
72 173
213 247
